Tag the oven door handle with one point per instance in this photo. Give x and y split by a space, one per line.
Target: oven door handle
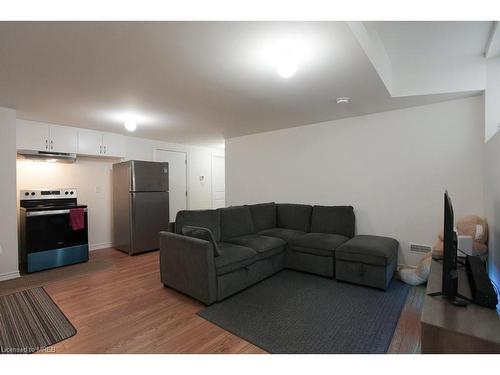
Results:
49 212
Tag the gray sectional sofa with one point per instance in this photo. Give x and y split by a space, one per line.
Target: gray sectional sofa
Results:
213 254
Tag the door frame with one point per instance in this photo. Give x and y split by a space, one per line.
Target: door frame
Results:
212 186
188 195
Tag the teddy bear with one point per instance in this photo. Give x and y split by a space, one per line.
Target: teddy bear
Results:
470 225
419 275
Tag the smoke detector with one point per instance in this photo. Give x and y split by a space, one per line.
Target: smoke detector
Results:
343 99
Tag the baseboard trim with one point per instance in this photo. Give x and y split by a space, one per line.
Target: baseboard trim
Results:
9 275
99 246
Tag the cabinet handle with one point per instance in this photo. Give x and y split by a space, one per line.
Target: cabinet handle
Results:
51 144
100 149
46 144
104 149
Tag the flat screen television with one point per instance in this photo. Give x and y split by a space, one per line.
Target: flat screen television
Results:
450 276
449 286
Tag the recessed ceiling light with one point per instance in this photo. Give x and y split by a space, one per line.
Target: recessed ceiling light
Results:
343 100
130 125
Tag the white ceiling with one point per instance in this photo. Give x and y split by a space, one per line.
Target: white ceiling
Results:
193 82
434 57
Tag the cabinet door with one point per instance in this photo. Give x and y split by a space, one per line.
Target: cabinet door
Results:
89 142
63 139
113 145
32 135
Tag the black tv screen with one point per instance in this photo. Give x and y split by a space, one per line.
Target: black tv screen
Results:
450 277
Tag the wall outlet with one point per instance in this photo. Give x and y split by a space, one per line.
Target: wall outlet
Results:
416 248
98 189
1 250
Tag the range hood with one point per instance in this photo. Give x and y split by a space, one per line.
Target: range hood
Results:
61 157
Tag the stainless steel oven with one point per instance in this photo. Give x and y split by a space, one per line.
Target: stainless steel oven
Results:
48 237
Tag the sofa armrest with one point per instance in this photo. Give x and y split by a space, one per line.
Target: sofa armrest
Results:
187 265
201 233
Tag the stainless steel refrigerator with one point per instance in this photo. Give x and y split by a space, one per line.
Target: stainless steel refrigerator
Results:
140 205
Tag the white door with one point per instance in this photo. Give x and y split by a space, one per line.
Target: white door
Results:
218 181
63 139
177 179
113 145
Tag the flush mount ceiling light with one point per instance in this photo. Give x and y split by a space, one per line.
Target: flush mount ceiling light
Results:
130 118
343 100
130 125
285 55
286 59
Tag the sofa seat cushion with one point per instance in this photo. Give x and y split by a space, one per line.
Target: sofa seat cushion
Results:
233 257
286 235
373 250
323 244
263 245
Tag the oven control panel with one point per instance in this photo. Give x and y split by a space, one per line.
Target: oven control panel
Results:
48 194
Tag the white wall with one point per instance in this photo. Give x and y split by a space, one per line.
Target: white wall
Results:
492 167
393 167
8 226
492 98
92 178
492 205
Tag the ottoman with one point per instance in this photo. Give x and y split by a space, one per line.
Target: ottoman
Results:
367 260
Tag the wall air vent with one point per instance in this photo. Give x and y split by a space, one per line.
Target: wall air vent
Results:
416 248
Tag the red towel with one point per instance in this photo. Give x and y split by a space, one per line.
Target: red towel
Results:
77 218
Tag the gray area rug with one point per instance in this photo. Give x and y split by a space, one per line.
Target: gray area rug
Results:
31 321
294 312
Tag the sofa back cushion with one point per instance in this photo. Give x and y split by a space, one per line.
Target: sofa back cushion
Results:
263 215
235 221
333 220
293 216
209 219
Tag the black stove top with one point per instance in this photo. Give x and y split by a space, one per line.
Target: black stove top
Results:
55 199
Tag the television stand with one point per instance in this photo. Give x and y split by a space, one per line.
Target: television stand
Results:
457 300
446 328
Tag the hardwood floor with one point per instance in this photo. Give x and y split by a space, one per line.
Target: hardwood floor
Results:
126 309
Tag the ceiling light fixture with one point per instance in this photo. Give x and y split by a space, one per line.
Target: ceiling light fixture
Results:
286 54
130 125
343 100
286 58
287 69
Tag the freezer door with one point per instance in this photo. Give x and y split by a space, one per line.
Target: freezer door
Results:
149 217
149 176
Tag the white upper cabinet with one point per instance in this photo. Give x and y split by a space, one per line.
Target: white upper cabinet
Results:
89 142
94 143
32 135
39 136
113 145
63 139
